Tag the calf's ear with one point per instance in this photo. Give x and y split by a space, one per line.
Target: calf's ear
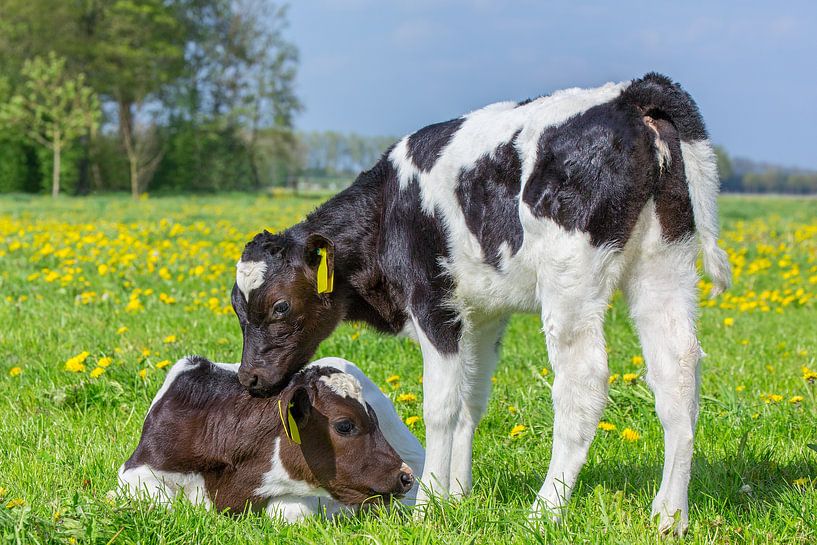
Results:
294 410
239 305
319 254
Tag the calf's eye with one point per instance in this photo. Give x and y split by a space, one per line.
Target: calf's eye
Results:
344 427
280 308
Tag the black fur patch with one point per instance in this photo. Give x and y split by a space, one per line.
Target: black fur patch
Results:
425 145
657 94
487 194
594 173
412 245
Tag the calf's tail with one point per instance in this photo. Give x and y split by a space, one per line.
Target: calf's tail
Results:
659 96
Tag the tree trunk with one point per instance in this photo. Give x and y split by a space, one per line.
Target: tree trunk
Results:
126 129
55 173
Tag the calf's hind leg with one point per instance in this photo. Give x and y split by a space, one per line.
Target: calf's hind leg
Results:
573 307
661 291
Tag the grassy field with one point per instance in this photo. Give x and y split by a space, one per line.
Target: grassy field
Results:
98 295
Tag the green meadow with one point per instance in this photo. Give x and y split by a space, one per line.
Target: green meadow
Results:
99 295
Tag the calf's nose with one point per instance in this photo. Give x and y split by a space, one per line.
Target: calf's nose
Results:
248 379
406 478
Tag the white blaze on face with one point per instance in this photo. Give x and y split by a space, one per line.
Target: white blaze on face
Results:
249 275
345 385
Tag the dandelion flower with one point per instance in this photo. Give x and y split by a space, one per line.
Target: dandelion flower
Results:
613 378
162 364
517 430
76 364
170 339
795 399
606 426
403 398
121 330
629 434
97 372
411 420
392 379
728 322
512 409
809 375
3 492
740 388
143 373
16 502
15 371
146 352
544 372
638 360
771 398
629 378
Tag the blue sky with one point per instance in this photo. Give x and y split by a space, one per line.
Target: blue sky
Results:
390 67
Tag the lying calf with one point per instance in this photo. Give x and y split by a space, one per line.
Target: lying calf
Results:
324 444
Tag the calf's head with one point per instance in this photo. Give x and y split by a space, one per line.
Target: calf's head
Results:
341 449
283 316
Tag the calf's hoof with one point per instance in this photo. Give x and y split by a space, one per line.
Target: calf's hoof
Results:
671 520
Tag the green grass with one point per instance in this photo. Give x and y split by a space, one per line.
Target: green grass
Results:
63 434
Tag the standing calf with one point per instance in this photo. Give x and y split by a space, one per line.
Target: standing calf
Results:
546 206
206 438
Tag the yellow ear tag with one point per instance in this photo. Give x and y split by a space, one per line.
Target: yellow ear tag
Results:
290 427
326 282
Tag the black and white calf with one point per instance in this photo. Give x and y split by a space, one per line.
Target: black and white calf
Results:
546 206
207 439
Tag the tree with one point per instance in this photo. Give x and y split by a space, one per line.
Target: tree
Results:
138 50
53 108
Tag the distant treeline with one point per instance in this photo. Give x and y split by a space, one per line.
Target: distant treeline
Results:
739 175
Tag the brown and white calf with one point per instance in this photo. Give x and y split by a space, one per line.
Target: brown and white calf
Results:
546 206
205 437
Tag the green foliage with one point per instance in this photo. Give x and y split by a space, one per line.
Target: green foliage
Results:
52 107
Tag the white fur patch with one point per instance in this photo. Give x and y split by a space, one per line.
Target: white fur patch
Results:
345 385
162 487
249 275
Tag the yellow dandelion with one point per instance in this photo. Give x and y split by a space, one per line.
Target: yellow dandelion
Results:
170 339
223 340
143 373
795 399
162 364
146 352
728 322
629 378
638 360
355 336
393 378
16 502
809 375
629 434
104 362
404 398
606 426
3 492
411 420
15 371
97 372
544 372
512 409
122 330
740 388
517 430
771 398
76 363
613 378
